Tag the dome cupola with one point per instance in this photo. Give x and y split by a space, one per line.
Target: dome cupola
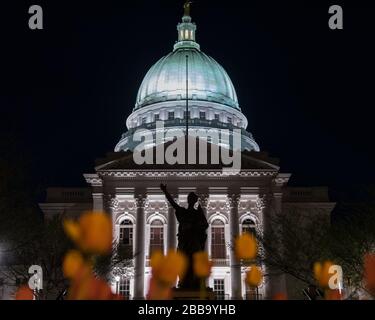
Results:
186 76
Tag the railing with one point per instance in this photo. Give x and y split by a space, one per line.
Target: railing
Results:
216 262
221 296
220 262
253 296
215 124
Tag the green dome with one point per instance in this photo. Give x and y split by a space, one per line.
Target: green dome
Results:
166 80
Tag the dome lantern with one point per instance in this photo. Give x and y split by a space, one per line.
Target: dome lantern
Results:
186 31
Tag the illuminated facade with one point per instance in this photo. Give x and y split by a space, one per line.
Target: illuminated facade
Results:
143 220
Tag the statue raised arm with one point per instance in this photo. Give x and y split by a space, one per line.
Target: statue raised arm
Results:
187 7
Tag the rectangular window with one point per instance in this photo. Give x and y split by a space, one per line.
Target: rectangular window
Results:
170 115
126 235
156 117
217 117
144 120
124 287
156 239
229 120
248 229
188 115
218 242
126 238
219 289
202 115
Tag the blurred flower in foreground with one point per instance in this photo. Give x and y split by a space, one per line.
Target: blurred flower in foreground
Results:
167 268
254 276
333 294
246 247
165 271
83 283
321 273
202 265
24 293
92 232
369 272
280 296
74 266
91 288
158 291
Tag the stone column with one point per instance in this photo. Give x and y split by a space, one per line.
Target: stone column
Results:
172 232
203 201
98 203
139 267
111 207
235 265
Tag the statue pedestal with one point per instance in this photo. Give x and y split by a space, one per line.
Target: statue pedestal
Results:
185 294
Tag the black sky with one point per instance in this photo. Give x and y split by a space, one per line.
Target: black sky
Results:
307 91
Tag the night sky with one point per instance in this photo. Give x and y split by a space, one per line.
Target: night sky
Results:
307 91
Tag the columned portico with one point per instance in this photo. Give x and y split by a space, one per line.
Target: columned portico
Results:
229 203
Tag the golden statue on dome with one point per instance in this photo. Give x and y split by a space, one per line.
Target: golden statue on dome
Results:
187 7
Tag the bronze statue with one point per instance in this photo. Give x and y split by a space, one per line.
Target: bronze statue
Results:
187 7
191 234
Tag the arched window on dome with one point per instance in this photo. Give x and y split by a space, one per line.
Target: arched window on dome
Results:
218 249
126 236
249 226
186 34
156 237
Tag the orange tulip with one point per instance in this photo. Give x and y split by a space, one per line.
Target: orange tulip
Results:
280 296
74 266
167 268
369 272
156 260
158 291
24 293
333 295
254 276
202 265
246 247
92 232
90 288
321 273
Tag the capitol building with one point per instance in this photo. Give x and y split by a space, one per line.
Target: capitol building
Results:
188 88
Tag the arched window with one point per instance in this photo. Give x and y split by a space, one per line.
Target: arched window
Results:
218 250
156 236
126 235
248 226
